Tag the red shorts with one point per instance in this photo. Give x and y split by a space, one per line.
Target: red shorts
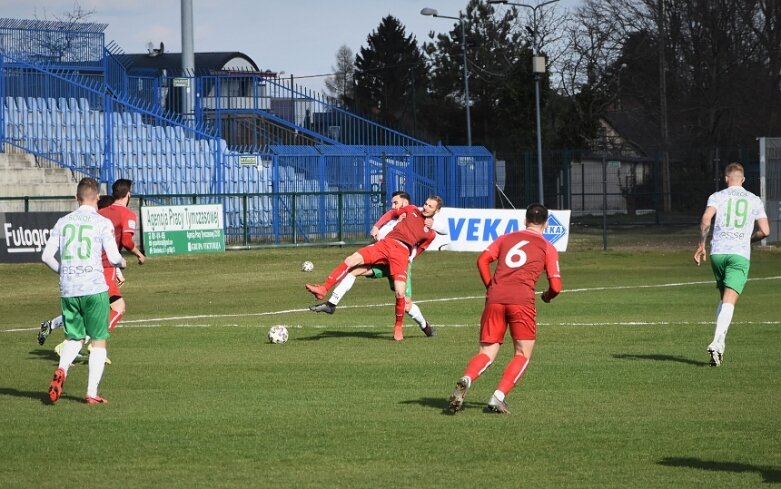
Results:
521 319
388 252
110 273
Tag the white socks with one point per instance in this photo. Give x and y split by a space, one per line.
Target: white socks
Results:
414 313
723 320
342 288
70 351
56 323
97 362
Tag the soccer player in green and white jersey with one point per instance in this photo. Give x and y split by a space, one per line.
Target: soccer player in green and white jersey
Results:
81 237
736 211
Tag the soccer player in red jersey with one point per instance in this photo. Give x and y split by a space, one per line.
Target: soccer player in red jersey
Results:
521 257
124 221
394 250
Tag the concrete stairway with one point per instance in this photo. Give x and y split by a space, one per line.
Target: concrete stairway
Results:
21 176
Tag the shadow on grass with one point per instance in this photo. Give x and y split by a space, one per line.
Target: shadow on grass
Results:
442 404
769 474
46 354
661 358
41 395
325 335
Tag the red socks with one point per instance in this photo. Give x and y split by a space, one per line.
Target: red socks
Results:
477 366
513 373
400 303
113 319
336 275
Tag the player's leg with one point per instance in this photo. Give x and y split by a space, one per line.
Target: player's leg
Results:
413 310
522 321
47 327
74 334
341 289
731 272
492 331
336 275
398 260
398 325
96 319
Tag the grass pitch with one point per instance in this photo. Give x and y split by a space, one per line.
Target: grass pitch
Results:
618 395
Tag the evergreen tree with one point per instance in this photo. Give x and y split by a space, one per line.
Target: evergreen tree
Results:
391 76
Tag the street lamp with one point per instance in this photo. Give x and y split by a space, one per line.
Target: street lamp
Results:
538 68
434 13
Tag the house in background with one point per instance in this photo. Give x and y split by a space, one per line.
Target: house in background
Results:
622 152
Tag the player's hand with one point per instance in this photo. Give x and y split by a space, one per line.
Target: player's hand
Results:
374 232
700 256
123 264
120 278
141 258
545 297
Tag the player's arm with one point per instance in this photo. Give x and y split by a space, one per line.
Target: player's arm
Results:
423 246
110 246
700 254
491 254
553 273
762 231
391 214
120 277
130 245
50 250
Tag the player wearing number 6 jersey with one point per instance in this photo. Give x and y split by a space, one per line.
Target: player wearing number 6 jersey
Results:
521 258
736 211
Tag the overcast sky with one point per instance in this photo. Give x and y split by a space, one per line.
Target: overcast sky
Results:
299 37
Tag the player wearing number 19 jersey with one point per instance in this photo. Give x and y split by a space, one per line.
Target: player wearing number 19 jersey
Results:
736 211
521 258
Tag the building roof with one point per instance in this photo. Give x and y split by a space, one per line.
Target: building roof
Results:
172 62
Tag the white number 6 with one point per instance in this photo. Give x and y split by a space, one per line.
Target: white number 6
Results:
516 257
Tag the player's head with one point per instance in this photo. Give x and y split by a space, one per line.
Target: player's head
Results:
121 188
432 206
536 215
399 199
734 174
105 201
87 191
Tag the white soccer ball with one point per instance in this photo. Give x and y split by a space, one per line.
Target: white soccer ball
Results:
307 266
277 335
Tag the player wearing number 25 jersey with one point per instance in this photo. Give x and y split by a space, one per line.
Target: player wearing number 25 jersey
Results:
521 258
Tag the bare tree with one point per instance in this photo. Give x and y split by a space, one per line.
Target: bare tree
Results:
341 85
67 37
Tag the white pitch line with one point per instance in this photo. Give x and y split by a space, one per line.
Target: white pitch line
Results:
139 322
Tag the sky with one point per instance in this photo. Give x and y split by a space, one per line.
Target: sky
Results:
297 37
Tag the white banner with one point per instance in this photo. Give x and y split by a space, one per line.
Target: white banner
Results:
475 229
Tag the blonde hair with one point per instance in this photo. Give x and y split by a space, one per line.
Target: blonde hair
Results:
732 168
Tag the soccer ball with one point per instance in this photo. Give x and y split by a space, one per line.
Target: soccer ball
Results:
277 335
307 266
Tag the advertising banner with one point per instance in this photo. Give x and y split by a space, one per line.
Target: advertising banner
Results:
475 229
23 235
181 229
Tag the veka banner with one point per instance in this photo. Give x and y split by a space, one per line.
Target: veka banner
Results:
180 229
475 229
23 235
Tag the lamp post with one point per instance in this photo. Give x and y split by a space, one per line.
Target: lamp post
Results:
538 68
434 13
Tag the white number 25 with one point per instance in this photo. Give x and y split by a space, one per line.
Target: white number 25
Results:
516 257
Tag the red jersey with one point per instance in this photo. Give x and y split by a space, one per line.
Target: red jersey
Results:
411 230
124 221
521 258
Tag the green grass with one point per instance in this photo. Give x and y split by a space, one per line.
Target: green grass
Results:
618 394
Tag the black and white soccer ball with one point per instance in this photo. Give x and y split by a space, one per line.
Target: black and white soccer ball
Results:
277 335
307 266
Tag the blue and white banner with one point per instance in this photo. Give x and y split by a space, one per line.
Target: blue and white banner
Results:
475 229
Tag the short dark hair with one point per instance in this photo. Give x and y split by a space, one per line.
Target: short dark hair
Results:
402 194
536 214
105 201
121 188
